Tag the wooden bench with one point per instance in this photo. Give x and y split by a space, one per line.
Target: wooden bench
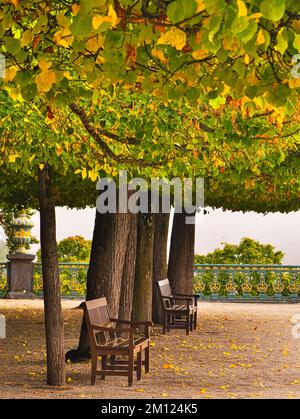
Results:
180 310
115 341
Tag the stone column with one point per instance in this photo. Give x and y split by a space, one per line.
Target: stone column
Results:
20 271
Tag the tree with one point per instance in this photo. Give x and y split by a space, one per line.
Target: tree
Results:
248 251
72 249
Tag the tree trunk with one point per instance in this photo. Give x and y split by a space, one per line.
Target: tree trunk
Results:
181 259
51 283
142 301
160 262
127 288
105 271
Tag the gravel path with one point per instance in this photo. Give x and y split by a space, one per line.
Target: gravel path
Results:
239 351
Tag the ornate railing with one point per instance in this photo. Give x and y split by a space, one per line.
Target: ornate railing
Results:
3 279
211 282
72 276
248 282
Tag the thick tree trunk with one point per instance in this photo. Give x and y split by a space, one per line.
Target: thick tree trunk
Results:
142 301
181 259
51 284
105 271
127 288
160 262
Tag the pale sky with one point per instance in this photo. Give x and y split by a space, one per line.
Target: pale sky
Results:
281 230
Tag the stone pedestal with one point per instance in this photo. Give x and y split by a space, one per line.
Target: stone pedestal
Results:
20 271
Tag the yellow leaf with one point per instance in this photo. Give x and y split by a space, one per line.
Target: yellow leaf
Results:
168 366
200 5
242 8
295 382
294 83
41 166
202 391
84 174
58 150
112 15
75 9
69 380
200 54
140 390
247 59
45 80
93 175
174 37
111 18
94 43
152 344
255 16
10 74
260 37
44 63
13 158
64 38
27 38
285 352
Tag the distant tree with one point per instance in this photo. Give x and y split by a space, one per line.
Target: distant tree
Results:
72 249
248 251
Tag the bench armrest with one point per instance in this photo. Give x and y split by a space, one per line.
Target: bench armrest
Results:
185 299
111 329
146 324
134 323
194 296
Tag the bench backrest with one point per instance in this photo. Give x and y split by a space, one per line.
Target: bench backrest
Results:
165 292
97 314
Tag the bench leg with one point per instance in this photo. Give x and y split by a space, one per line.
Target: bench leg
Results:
147 359
94 370
195 320
139 366
103 364
165 324
130 368
191 322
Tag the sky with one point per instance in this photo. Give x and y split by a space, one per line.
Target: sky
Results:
281 230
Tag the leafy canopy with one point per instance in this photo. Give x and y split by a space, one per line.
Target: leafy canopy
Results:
202 49
72 249
248 251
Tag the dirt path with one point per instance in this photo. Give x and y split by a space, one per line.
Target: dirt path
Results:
238 351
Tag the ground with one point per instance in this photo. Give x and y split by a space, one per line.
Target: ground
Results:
238 351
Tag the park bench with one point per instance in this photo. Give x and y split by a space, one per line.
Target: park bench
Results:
179 310
116 349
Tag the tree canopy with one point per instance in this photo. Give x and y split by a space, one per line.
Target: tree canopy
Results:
248 251
201 49
223 102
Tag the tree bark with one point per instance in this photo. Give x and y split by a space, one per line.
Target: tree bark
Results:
127 288
160 262
105 271
142 300
181 259
51 283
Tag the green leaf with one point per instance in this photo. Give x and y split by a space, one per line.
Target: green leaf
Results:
282 41
273 9
179 10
